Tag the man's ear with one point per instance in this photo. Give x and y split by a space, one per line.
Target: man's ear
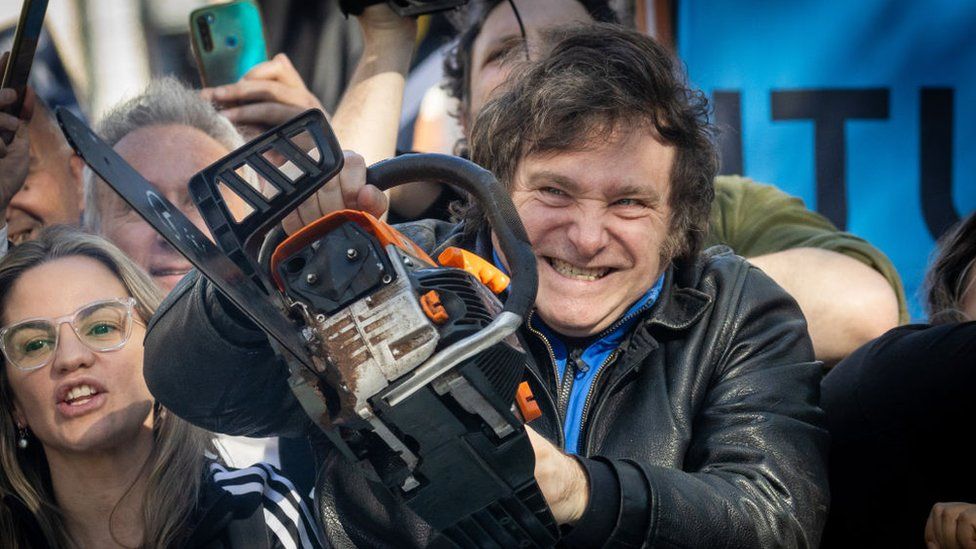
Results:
78 178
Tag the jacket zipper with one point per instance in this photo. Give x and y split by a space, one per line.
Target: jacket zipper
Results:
552 360
589 397
552 355
574 366
584 440
622 320
566 388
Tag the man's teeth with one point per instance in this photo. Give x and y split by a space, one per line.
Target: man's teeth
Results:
81 394
572 271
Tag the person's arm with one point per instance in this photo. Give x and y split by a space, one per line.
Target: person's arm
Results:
436 130
368 115
755 469
367 118
902 403
210 365
846 303
269 94
262 491
849 290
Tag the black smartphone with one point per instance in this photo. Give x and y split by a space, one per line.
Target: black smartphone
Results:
21 58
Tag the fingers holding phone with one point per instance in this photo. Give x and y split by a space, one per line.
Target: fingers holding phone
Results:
269 94
253 92
15 111
9 124
15 154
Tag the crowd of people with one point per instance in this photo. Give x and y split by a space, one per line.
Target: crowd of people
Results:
716 365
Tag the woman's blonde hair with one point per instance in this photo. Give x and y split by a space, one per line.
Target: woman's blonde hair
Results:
177 461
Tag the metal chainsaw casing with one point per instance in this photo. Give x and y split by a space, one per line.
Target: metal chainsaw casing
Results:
371 342
371 335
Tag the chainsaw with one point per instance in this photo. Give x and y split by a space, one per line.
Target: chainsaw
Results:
408 363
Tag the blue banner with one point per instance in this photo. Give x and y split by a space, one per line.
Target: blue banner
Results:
866 110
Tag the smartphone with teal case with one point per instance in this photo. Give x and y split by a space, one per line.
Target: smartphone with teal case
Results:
227 40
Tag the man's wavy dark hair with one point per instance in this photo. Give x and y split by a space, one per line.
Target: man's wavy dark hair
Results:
469 21
596 80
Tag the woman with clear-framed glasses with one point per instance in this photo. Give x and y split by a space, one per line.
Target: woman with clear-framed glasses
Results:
88 458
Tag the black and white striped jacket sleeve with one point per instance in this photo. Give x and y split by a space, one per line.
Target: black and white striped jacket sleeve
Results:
287 514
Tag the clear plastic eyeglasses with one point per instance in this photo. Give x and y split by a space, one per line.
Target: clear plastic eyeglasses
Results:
103 325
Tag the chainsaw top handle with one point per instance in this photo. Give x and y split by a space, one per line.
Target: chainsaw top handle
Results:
485 188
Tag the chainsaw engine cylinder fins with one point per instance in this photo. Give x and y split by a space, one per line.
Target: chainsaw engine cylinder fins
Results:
486 190
375 337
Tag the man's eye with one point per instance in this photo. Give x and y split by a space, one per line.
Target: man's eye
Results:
552 191
501 51
494 55
630 202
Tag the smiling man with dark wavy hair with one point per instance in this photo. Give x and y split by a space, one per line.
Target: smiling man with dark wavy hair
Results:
682 382
678 387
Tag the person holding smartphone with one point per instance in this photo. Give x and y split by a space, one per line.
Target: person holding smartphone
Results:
51 194
366 118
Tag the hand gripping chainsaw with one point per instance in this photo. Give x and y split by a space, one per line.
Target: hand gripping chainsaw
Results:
408 364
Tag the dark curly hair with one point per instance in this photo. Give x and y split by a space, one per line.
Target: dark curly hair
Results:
948 277
468 21
598 79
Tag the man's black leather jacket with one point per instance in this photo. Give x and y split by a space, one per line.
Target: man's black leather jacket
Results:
704 431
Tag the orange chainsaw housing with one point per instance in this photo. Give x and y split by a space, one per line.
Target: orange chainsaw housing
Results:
383 232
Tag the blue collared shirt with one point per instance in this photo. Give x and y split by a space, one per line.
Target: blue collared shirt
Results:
591 360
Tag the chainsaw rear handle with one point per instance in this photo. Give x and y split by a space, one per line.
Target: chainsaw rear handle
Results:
485 188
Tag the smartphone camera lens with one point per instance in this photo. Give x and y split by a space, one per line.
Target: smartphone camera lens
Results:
203 25
231 42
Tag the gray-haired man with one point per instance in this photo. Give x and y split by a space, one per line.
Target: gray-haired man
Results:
167 133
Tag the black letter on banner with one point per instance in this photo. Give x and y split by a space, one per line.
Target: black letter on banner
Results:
829 109
935 160
728 119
